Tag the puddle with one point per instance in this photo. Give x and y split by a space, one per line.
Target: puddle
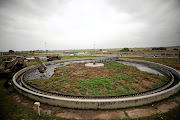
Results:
141 67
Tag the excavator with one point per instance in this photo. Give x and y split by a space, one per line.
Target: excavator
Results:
53 57
11 67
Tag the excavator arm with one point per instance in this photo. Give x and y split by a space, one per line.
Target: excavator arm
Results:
12 66
13 63
42 66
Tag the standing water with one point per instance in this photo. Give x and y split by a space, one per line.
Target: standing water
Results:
141 67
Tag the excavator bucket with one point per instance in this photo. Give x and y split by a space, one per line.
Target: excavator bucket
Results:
41 70
42 67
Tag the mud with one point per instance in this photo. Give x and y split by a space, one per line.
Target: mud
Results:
35 74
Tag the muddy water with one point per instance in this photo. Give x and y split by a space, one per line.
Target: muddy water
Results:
35 74
141 67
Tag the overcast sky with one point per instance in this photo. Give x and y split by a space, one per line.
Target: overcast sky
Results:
79 24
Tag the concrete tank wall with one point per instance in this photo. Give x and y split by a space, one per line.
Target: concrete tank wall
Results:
98 103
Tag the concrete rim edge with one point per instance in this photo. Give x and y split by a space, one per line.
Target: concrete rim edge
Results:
173 90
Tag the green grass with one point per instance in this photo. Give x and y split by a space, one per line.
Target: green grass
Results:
30 63
119 83
55 111
64 69
163 79
33 63
10 110
71 57
94 85
62 79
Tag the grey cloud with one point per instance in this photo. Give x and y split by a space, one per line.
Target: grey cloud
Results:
162 17
22 21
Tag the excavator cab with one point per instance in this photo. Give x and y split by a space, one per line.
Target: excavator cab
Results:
6 63
41 69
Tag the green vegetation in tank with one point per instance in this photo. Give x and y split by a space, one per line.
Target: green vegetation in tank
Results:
113 79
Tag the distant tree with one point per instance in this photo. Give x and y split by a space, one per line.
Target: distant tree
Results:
160 48
125 50
11 52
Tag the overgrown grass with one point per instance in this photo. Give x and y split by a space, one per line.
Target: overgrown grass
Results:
55 111
30 63
102 84
33 63
62 79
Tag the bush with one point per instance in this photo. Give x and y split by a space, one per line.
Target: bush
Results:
125 50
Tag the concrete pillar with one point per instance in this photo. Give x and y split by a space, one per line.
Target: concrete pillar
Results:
37 104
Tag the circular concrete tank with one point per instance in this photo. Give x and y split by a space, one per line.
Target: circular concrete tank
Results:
100 102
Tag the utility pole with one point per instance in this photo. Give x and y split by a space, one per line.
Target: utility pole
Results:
45 48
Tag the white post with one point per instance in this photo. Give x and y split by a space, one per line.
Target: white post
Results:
37 104
165 54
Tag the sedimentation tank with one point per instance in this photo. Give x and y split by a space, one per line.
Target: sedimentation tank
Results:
101 102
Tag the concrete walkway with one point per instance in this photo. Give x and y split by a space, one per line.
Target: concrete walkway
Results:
143 111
